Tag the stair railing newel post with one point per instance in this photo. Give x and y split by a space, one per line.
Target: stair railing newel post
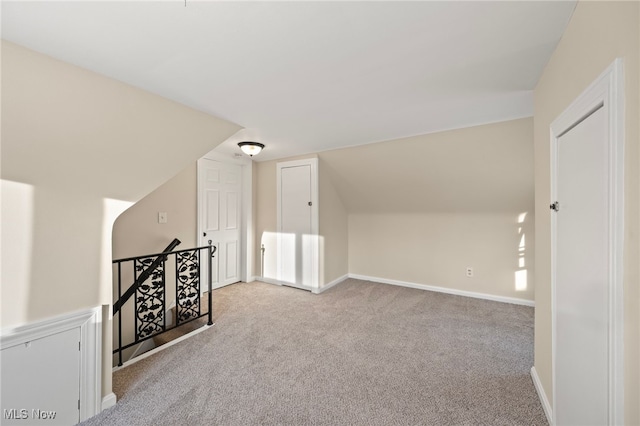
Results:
176 317
135 302
209 280
119 316
163 310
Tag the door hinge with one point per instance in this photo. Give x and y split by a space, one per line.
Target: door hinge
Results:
78 404
555 206
78 345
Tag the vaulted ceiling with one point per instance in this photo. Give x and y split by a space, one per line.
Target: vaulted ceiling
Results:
310 76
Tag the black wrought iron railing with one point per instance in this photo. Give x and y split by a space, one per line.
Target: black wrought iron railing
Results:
150 274
143 276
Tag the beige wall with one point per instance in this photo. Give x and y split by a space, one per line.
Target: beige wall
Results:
266 219
435 249
597 33
333 229
137 231
422 209
480 169
77 149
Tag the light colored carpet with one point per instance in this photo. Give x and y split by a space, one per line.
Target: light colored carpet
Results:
360 353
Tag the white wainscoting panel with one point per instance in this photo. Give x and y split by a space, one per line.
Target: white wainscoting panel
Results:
87 326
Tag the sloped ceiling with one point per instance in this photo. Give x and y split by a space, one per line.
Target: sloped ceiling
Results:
310 76
483 169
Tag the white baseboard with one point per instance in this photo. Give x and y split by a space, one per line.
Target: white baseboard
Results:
252 278
283 283
143 347
503 299
543 396
268 280
109 401
331 284
303 287
162 347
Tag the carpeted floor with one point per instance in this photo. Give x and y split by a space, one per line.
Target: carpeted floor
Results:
360 353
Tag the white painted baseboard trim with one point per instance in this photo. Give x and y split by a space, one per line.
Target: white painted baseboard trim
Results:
282 283
205 290
145 346
89 321
162 347
252 278
503 299
543 396
331 284
109 401
268 280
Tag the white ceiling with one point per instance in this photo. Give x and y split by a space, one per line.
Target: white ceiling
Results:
310 76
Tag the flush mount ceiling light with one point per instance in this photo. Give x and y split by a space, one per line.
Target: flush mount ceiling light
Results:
251 148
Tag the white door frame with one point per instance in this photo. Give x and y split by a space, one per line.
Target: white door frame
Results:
606 92
315 223
246 214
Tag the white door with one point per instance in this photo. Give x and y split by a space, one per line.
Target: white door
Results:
582 274
219 216
41 381
297 224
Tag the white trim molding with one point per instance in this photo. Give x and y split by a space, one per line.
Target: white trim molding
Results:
605 92
90 324
109 401
484 296
494 298
541 395
269 281
144 347
282 283
313 290
163 347
331 284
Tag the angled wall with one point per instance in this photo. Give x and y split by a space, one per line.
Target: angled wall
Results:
334 233
423 209
137 231
77 149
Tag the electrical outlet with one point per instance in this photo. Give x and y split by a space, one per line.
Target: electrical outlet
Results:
469 271
162 217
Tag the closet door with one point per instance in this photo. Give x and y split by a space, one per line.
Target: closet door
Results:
297 224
